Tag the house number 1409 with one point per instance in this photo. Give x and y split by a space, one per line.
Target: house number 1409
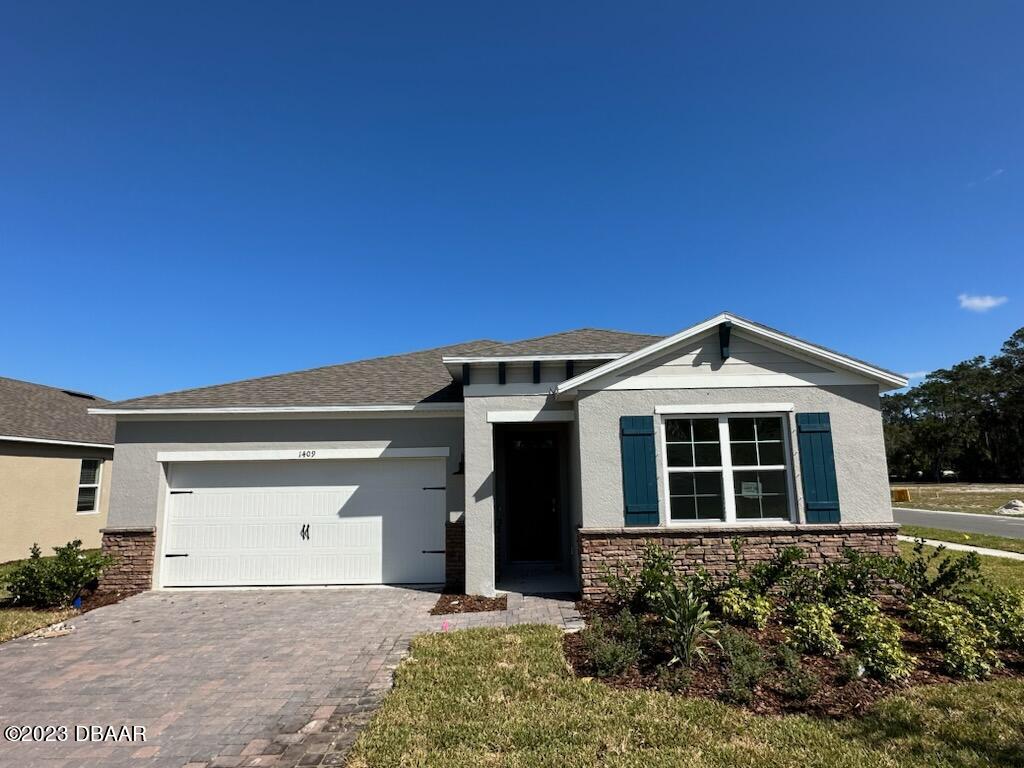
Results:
307 454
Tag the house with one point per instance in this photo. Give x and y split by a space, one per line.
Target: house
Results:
495 464
54 468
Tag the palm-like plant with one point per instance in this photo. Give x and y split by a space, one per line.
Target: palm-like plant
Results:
689 623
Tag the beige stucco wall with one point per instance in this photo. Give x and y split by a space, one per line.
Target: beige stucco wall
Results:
38 495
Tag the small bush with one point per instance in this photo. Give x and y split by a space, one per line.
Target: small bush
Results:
850 668
688 625
857 574
804 585
878 639
952 575
966 642
738 605
674 679
641 591
812 630
764 576
798 682
744 663
55 581
1001 610
612 646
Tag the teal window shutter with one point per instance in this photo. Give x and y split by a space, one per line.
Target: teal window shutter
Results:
818 467
639 472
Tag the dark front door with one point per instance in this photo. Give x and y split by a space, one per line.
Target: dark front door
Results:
533 496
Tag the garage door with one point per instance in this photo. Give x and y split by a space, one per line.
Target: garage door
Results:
378 521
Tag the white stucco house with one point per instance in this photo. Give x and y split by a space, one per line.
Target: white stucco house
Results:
492 464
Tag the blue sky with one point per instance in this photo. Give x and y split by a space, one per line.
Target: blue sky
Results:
197 192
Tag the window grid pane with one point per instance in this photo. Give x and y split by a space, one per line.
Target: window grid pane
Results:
696 496
90 471
86 499
693 442
761 444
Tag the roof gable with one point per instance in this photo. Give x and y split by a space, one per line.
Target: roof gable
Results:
697 346
37 412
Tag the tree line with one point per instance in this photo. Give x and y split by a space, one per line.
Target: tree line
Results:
968 418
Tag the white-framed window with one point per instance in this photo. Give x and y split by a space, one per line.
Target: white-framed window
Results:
89 486
729 467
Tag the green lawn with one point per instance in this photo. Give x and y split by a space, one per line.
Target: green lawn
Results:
958 537
505 697
984 498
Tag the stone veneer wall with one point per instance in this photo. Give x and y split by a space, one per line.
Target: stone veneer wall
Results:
711 547
455 555
133 550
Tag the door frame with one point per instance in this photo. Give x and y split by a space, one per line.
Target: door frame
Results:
502 559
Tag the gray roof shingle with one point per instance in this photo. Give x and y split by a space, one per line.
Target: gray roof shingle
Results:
47 413
409 379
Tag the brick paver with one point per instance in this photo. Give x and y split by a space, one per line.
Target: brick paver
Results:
225 678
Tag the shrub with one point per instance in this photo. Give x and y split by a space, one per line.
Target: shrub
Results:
55 581
764 576
850 668
857 574
688 624
798 682
878 639
744 663
738 605
966 642
951 574
812 629
804 585
641 591
1001 610
675 679
612 646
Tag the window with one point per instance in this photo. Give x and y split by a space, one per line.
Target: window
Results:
89 485
749 480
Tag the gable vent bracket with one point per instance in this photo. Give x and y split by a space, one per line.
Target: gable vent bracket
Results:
724 332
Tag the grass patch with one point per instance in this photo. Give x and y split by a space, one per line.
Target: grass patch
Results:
958 537
982 498
504 697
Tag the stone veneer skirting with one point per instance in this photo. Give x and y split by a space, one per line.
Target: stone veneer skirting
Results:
133 550
455 555
710 547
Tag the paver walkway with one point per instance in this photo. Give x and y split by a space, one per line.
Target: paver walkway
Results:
224 678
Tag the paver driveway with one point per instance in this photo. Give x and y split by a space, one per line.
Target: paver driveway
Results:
223 678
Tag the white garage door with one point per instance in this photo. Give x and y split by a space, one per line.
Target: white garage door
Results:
378 521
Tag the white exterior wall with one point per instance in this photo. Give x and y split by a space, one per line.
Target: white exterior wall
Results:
861 471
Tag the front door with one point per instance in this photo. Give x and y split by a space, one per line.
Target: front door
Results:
533 496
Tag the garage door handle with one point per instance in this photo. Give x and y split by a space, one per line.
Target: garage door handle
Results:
304 531
185 555
434 488
431 551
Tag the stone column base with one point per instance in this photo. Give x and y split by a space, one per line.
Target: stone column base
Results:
133 550
710 547
455 556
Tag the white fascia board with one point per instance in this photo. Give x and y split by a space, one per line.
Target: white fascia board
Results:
523 417
530 358
811 350
312 453
725 408
45 441
439 409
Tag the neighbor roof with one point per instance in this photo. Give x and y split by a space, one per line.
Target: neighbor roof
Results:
416 378
36 412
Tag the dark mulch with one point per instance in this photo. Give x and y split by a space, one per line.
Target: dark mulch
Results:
835 698
94 600
451 603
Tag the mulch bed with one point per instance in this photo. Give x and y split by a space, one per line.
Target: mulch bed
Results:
835 698
453 603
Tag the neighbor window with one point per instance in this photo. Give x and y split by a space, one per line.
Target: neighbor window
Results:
89 485
727 468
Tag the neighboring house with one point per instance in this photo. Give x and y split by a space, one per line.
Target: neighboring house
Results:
505 462
54 468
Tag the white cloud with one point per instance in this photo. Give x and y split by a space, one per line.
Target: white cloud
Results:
994 175
912 375
980 303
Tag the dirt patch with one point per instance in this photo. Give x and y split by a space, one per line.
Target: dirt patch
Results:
449 603
835 697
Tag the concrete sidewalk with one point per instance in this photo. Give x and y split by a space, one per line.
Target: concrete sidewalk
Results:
967 548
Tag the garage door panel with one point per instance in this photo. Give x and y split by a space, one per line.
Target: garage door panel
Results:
368 522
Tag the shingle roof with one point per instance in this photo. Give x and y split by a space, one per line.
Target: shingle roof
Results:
409 379
583 341
47 413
